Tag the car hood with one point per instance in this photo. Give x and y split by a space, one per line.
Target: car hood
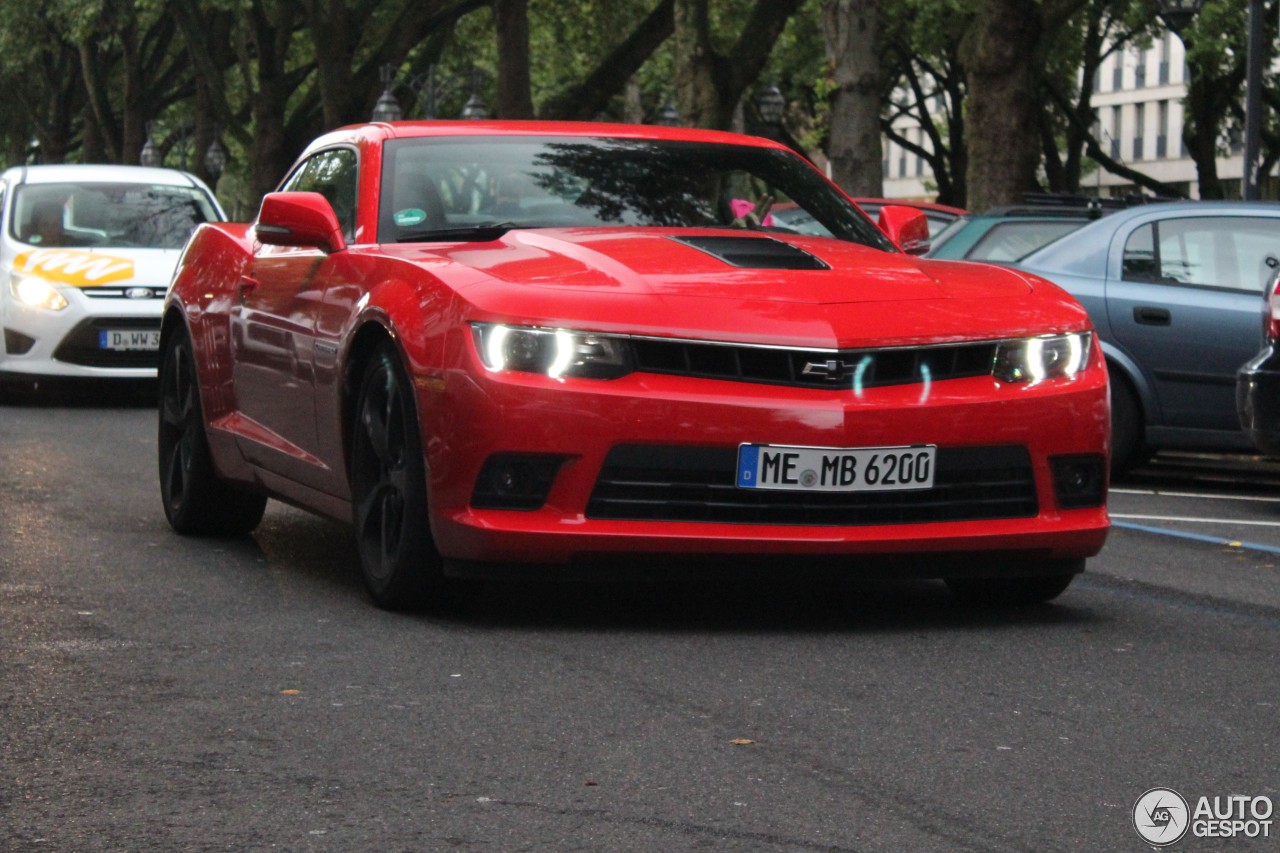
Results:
711 264
87 268
745 286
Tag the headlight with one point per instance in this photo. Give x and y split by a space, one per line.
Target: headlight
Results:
1049 357
36 292
554 352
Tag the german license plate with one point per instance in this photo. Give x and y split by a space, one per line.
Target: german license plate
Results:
129 339
834 469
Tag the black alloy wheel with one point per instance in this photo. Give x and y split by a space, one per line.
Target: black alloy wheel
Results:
196 502
388 488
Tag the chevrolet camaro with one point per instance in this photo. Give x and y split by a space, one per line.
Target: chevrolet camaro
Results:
534 346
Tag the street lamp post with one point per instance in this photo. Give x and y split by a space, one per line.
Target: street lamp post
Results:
1253 104
429 88
771 104
152 154
1177 14
668 116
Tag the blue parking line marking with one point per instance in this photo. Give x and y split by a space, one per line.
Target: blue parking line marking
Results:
1199 537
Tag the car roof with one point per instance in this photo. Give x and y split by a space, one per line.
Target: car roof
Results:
1084 251
71 173
439 129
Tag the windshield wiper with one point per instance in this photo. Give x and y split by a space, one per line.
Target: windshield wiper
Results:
481 231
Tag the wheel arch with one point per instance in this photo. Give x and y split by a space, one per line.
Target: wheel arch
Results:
365 342
1120 367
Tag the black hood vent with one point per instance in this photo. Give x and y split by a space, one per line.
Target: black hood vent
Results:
756 253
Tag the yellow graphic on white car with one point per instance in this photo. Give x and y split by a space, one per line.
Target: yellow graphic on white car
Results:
75 267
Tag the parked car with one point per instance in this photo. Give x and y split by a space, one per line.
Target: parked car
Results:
1258 382
549 344
88 252
1175 291
939 216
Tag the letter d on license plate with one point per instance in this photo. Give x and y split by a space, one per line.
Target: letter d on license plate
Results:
834 469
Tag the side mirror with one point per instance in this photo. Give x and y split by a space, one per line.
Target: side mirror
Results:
906 227
299 219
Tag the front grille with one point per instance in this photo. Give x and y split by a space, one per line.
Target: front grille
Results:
640 482
857 369
81 345
131 291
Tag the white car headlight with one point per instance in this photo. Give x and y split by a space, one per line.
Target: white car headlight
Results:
557 353
1047 357
36 292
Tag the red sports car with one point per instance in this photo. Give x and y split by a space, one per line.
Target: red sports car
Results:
497 343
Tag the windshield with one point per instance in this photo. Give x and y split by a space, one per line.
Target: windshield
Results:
108 215
475 187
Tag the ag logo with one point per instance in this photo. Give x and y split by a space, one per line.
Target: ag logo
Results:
1161 817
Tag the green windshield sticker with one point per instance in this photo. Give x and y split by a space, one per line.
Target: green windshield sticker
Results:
410 216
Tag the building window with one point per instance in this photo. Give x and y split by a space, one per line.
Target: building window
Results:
1116 129
1164 58
1140 71
1117 75
1139 122
1162 131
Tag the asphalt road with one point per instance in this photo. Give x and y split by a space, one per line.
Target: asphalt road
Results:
160 693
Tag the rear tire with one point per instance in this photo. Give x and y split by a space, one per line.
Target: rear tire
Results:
401 566
1015 591
196 502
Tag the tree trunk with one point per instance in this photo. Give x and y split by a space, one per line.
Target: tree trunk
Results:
511 23
709 84
1003 135
852 31
1003 51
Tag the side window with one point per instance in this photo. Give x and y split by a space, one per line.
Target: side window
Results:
1012 241
333 174
1222 252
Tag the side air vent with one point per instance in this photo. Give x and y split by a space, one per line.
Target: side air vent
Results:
759 253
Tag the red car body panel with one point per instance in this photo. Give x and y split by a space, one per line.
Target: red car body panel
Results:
274 330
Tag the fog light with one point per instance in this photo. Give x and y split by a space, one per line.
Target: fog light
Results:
1079 481
515 481
16 343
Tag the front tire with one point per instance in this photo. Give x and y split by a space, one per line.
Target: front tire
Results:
1016 590
196 502
401 566
1127 445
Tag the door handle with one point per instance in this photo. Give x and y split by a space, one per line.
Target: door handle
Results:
247 286
1146 315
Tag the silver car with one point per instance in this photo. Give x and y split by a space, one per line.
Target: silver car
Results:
1175 291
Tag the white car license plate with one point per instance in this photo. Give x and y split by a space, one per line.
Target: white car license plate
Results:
129 339
834 469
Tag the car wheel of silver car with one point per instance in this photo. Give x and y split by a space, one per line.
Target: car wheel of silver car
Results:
196 502
388 488
1017 590
1127 446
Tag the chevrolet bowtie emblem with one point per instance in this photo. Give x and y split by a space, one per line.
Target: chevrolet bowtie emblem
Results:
832 370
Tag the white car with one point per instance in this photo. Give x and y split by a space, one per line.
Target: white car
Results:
86 255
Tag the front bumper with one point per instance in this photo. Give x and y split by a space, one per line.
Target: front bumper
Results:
1258 400
469 415
39 342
